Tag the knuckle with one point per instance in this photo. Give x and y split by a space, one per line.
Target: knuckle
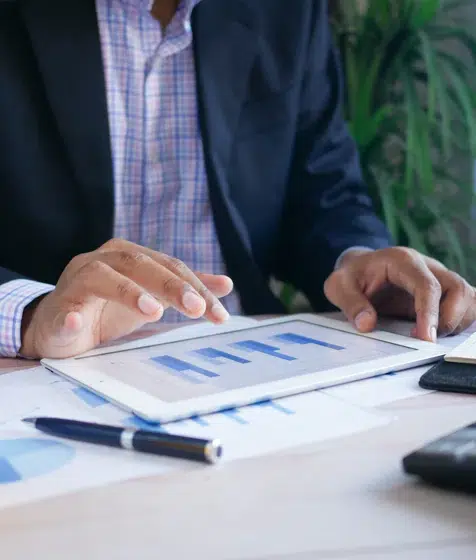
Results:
142 259
336 277
430 286
331 285
176 266
78 261
170 285
404 254
93 267
131 259
463 288
433 285
113 243
400 250
126 290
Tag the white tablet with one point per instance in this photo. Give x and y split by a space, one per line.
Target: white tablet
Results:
231 368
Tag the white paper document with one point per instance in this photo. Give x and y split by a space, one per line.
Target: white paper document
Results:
34 465
381 390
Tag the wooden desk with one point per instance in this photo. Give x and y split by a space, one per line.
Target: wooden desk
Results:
345 499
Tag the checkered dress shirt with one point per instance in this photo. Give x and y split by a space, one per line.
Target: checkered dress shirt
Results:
160 183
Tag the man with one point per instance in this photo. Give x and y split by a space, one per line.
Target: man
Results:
206 139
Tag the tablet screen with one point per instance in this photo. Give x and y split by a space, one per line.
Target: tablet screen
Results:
197 367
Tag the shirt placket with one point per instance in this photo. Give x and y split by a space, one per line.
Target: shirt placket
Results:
162 180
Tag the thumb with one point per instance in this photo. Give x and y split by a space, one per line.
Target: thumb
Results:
344 292
67 325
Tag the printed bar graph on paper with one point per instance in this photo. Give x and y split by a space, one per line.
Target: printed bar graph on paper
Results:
212 355
232 413
291 338
89 398
199 420
276 406
136 422
24 458
175 365
8 473
255 346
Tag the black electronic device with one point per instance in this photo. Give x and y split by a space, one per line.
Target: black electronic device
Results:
448 462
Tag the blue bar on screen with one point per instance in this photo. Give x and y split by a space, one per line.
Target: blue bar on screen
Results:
213 356
292 338
181 366
255 346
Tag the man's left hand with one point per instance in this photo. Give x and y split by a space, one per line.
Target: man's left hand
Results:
401 283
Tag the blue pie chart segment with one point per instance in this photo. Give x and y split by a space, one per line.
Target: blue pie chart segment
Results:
21 459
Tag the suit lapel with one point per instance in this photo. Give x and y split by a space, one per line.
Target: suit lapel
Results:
226 45
225 49
65 39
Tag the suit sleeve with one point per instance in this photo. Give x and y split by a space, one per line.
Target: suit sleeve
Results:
328 209
16 293
8 275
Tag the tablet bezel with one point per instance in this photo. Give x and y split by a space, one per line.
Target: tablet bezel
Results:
153 409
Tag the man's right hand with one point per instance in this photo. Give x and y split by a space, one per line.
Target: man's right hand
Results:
113 291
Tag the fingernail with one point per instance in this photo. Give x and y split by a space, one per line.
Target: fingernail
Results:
148 305
192 301
219 312
433 334
362 319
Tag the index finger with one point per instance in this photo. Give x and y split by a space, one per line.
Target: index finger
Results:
214 309
413 275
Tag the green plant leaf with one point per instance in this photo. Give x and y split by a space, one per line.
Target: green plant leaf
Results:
452 239
411 133
418 151
434 82
366 132
449 6
386 185
287 295
424 11
466 101
415 237
460 35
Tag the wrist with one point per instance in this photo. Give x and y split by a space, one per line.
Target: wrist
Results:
27 347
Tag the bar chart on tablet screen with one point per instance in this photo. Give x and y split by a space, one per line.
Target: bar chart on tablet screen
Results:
203 366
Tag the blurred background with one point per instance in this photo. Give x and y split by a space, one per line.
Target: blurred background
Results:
410 71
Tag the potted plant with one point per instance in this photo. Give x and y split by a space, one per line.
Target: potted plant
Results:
410 72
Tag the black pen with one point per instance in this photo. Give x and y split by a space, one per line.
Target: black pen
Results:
158 443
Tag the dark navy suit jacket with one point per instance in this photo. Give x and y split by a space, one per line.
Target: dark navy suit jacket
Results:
283 173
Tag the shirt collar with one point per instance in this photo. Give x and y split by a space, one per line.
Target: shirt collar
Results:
147 4
188 6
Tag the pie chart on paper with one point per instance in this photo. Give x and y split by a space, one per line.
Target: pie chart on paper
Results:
24 458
